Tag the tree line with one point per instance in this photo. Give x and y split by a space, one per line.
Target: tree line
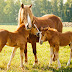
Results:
9 9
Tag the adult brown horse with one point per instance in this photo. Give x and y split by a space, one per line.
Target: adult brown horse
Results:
26 16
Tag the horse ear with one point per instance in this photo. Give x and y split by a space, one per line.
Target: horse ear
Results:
30 6
48 27
41 29
22 5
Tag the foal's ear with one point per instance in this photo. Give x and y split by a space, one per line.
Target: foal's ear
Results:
22 5
30 6
41 29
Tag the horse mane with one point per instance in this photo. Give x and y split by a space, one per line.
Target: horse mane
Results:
47 28
52 29
22 26
19 16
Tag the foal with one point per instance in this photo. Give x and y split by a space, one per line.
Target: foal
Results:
15 39
55 40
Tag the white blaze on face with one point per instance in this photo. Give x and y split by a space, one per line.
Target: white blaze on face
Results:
29 22
40 35
36 28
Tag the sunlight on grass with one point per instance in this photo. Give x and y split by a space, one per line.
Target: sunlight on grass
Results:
43 53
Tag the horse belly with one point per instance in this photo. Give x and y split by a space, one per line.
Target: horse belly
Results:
65 43
11 43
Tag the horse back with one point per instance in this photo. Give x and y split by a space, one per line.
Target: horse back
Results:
65 38
49 20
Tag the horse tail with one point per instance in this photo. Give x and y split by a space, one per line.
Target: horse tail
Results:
59 25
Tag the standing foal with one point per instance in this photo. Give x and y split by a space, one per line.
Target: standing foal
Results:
15 39
55 40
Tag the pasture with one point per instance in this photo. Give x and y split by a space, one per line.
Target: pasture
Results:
43 53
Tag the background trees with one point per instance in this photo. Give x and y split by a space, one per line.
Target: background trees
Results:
9 9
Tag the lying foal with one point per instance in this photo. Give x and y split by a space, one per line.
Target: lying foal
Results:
55 40
15 39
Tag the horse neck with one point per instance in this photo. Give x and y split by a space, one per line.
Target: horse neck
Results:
34 19
51 34
23 31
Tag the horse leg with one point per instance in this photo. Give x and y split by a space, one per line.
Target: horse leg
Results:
12 55
34 52
25 51
70 56
21 56
57 56
51 54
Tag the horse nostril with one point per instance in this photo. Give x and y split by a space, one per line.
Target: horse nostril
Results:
27 26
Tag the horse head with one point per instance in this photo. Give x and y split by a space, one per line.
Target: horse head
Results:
25 16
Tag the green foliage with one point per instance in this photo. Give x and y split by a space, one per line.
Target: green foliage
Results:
9 9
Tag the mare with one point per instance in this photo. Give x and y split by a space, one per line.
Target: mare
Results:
15 39
26 16
55 40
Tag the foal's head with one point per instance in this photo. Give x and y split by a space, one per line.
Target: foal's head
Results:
25 16
23 29
43 35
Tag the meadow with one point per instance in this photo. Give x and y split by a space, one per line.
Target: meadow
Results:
43 53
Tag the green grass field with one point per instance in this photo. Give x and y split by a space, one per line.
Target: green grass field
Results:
43 53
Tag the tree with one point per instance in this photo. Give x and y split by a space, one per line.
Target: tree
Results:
2 5
54 4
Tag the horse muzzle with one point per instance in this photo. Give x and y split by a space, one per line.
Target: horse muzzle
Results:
41 42
27 27
37 34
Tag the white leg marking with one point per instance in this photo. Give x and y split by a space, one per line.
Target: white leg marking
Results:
21 57
29 21
59 64
12 55
40 35
68 62
69 59
51 54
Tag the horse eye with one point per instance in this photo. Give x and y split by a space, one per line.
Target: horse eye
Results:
43 34
34 27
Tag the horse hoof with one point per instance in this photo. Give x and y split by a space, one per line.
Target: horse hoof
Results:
21 66
8 66
59 67
50 64
35 63
25 63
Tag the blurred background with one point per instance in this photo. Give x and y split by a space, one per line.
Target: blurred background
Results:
9 9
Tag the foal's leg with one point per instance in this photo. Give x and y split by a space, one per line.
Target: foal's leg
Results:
25 51
21 56
12 55
57 56
34 51
70 56
51 54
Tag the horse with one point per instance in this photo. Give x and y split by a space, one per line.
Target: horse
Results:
15 39
55 40
26 16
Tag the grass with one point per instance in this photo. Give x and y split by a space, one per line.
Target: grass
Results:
43 53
